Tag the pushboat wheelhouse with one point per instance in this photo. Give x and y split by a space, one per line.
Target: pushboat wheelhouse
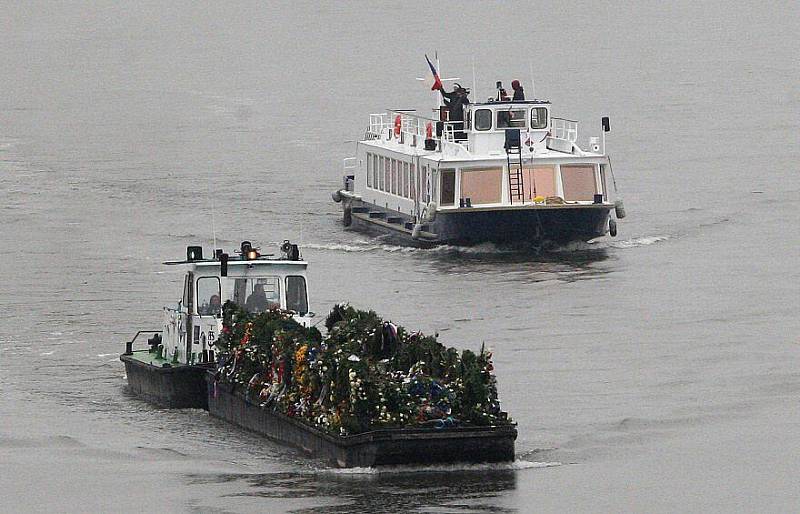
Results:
170 372
512 174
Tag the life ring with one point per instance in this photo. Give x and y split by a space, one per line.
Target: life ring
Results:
398 124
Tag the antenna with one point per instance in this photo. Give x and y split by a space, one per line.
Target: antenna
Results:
213 226
533 84
474 80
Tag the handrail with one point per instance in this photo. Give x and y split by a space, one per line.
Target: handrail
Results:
565 129
129 344
411 124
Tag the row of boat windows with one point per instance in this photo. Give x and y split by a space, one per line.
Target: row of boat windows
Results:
510 118
397 177
253 294
578 183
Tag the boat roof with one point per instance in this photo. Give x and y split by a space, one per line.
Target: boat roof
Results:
495 103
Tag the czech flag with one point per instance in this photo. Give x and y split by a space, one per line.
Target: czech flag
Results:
437 82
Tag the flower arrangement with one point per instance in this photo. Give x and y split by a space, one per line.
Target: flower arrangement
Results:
365 374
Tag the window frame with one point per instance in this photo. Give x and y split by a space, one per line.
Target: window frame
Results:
546 116
491 120
525 115
197 295
305 291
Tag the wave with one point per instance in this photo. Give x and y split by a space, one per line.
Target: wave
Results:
443 468
637 242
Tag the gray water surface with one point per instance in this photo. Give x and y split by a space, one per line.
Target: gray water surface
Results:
654 372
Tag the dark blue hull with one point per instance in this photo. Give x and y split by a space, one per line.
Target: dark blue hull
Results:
534 225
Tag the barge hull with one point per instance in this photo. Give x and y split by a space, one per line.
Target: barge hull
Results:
174 387
377 448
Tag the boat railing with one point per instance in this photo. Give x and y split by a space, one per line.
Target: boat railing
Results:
565 129
409 127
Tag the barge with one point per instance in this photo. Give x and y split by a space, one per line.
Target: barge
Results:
504 171
395 446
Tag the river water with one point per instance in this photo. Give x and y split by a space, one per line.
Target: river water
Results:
653 372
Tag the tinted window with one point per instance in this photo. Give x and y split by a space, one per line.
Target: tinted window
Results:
483 119
448 187
296 296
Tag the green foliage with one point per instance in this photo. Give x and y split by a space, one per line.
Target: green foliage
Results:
364 375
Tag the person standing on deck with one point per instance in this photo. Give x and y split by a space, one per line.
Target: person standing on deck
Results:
455 102
519 92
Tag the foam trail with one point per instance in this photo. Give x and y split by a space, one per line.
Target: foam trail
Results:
445 468
638 241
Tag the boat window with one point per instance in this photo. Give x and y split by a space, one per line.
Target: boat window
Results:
381 177
369 170
208 296
483 119
540 181
413 182
448 196
511 118
296 296
482 186
539 118
579 183
375 168
423 184
406 181
257 294
387 176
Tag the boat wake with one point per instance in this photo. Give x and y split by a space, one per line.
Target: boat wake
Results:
443 468
637 242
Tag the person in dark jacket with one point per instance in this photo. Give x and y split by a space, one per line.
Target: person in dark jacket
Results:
455 102
519 92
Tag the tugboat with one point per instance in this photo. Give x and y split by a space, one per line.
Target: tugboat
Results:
509 173
171 371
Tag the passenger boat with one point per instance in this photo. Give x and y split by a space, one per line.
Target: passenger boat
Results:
511 172
170 372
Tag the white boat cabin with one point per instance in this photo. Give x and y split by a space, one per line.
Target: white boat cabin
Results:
255 282
503 155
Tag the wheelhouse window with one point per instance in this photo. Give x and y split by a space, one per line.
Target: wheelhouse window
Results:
483 119
448 196
257 294
208 296
296 295
539 118
511 118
